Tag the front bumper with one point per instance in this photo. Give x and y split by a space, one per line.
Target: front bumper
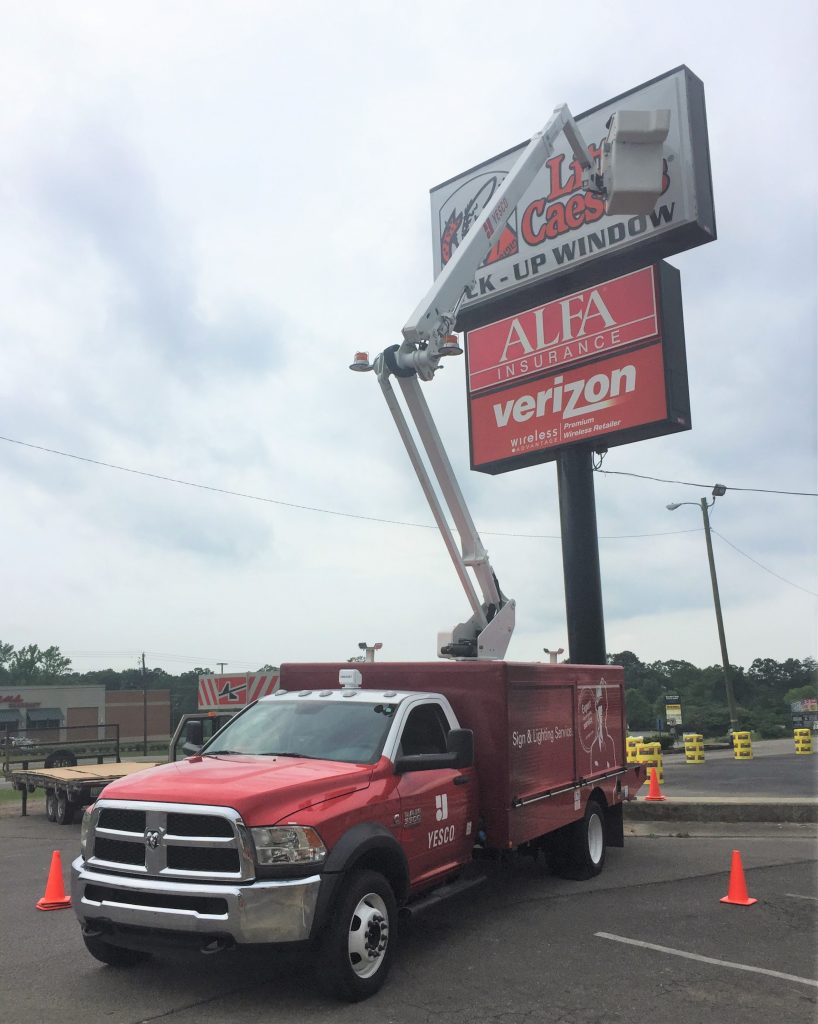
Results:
268 911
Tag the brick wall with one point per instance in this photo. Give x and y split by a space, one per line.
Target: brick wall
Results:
126 709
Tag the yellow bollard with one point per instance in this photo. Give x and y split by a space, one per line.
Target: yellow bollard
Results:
650 755
631 745
694 748
803 741
742 746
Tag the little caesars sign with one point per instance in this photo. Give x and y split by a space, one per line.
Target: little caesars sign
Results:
558 229
574 329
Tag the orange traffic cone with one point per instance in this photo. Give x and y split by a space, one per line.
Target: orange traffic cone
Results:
54 897
737 889
654 792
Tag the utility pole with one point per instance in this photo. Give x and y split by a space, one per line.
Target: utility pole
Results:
221 665
718 491
144 710
728 672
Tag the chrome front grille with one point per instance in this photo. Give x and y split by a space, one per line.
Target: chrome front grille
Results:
170 841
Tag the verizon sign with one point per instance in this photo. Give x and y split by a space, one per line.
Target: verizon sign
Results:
600 367
558 238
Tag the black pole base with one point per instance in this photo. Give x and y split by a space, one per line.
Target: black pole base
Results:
580 558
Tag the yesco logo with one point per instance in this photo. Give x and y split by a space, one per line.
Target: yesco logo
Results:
442 807
576 398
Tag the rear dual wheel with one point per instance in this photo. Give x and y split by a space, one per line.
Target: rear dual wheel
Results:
578 851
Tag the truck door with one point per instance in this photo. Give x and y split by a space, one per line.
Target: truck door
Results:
437 806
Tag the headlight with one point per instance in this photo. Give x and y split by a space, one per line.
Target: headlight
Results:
288 845
85 830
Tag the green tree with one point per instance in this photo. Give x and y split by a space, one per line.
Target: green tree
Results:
25 665
639 712
53 665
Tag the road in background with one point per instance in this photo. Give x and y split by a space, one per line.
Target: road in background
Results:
774 771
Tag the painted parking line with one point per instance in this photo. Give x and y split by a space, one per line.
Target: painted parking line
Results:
798 896
707 959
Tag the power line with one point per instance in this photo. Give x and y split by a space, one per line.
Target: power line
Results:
688 483
216 490
393 522
307 508
179 658
764 567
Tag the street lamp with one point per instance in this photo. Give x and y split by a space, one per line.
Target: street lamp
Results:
718 491
369 650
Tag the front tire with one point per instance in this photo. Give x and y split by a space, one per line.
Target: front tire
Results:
51 804
579 850
114 956
359 944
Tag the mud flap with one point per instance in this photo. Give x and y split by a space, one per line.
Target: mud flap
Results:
614 826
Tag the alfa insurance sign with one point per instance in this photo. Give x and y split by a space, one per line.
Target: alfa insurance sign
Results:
602 366
560 232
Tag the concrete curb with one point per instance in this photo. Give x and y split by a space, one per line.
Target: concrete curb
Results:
715 809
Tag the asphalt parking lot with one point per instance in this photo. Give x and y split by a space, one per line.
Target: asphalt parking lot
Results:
527 946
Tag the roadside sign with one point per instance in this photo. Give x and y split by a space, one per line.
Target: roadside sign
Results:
673 709
558 237
603 365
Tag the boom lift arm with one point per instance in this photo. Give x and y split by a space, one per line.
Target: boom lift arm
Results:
427 338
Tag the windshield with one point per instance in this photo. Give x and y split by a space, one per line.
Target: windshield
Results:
330 730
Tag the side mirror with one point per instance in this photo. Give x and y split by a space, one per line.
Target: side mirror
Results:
460 742
194 734
459 754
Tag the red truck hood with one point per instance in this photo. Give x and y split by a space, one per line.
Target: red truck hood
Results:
262 789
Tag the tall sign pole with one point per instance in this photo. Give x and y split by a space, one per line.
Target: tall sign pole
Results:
580 558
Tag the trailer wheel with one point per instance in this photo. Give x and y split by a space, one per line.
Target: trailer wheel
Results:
51 804
114 956
61 759
359 944
578 851
64 808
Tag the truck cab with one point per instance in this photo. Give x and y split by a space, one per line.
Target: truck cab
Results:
290 808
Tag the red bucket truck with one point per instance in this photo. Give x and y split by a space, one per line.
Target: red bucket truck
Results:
348 795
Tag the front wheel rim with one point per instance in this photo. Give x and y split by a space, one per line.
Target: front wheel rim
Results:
368 935
596 839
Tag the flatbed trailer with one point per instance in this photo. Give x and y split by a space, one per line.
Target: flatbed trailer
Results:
69 789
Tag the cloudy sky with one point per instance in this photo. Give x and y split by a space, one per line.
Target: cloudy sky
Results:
208 207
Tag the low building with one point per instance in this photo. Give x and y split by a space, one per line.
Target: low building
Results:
65 713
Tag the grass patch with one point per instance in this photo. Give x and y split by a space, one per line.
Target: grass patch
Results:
8 796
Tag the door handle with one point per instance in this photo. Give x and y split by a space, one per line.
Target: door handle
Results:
461 780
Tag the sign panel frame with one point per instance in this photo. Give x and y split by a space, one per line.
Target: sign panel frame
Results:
498 445
558 238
